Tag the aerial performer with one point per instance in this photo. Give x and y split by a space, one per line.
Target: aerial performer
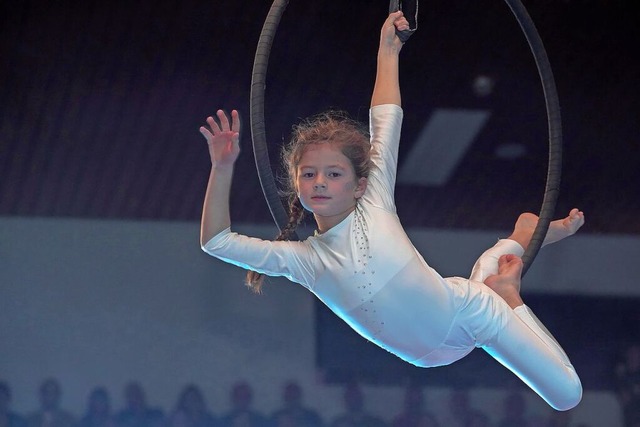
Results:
360 261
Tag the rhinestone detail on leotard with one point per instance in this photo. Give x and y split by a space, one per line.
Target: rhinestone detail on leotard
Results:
363 273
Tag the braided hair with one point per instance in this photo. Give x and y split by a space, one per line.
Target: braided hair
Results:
254 280
334 127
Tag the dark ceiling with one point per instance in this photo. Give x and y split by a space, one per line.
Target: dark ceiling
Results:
101 103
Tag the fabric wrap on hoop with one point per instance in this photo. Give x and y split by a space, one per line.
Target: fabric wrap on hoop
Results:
410 10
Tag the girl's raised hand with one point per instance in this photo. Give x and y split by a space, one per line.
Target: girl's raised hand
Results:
388 37
223 139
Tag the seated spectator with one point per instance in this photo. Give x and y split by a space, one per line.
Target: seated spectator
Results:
414 413
241 413
293 412
50 414
98 410
459 409
478 419
178 419
559 419
627 378
355 414
192 408
8 418
514 408
136 412
427 420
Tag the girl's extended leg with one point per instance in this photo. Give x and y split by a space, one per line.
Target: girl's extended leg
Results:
526 347
522 343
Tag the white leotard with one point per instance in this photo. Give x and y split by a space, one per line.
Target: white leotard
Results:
367 271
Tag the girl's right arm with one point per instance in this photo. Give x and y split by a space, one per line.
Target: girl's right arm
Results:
289 259
223 141
386 89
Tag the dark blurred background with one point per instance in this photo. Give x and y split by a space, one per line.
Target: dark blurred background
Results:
101 104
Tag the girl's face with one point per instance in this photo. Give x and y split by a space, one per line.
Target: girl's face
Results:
327 184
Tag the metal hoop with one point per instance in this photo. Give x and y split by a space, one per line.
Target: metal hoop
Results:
554 169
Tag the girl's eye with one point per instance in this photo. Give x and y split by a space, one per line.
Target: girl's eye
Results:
334 174
307 175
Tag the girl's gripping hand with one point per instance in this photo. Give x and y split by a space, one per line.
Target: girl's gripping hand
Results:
223 139
388 36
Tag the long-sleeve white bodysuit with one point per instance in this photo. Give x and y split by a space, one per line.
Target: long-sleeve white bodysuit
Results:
367 271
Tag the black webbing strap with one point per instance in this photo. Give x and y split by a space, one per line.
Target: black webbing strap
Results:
410 10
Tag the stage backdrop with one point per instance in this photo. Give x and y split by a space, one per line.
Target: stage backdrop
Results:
104 302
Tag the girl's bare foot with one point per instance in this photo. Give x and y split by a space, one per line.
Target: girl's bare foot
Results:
561 228
507 282
558 229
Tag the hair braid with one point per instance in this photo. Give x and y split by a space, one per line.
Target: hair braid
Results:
254 280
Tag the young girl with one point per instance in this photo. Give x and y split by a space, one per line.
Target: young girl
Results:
361 263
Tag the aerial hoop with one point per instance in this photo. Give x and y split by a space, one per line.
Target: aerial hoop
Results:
258 133
554 168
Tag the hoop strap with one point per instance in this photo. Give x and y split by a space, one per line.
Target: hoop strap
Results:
410 10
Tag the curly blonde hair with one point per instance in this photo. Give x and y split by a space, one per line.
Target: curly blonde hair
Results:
330 127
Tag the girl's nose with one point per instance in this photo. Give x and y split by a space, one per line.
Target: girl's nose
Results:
319 184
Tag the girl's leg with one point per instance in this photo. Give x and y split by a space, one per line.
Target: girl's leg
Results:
519 240
523 344
526 347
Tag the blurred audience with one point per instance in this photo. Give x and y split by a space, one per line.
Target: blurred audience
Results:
136 412
242 413
627 380
414 413
98 412
8 418
50 413
178 419
191 409
514 409
559 419
355 414
293 412
478 419
459 410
